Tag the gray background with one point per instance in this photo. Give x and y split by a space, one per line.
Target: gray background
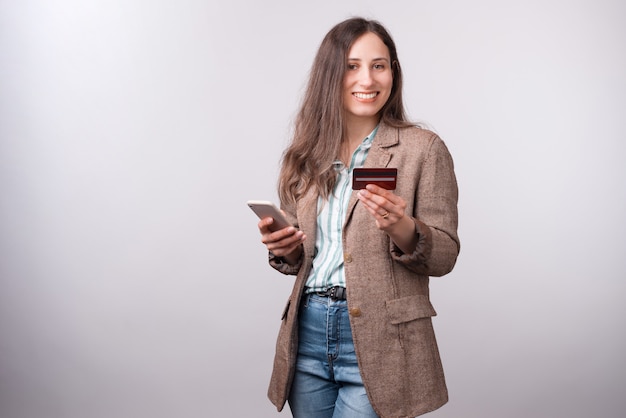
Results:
132 279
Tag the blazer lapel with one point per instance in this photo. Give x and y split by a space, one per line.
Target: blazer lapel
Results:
307 214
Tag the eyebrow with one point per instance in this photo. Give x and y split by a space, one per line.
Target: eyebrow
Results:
375 59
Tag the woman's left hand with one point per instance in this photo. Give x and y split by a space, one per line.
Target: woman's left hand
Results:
384 205
388 210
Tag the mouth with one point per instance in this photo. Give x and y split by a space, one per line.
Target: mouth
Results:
365 96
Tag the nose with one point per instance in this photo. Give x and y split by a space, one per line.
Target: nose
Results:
365 77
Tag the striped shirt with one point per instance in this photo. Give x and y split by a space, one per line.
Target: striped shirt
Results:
328 269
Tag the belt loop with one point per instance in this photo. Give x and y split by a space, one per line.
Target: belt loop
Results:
340 293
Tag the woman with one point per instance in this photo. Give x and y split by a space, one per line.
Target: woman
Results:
356 338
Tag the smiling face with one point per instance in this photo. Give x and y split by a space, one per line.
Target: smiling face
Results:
368 80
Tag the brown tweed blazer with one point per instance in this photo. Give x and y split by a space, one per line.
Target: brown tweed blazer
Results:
388 298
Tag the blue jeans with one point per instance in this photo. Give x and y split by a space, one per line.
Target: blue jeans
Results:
327 381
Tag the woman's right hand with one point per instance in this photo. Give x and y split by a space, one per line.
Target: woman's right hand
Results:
285 243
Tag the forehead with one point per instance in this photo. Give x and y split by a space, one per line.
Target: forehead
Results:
368 46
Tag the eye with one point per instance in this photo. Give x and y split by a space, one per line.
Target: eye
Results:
352 66
379 66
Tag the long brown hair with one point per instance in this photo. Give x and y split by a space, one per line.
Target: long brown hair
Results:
319 126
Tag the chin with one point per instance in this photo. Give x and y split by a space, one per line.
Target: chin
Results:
367 114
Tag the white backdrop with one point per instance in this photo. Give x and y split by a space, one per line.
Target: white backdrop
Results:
132 279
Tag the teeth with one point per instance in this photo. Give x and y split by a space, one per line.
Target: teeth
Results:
365 96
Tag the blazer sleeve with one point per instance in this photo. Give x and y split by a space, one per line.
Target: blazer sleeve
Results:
279 263
435 216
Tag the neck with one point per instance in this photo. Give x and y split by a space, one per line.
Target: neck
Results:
358 128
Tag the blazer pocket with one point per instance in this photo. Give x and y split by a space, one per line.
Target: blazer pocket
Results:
409 308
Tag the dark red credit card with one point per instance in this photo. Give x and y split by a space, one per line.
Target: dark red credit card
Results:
383 177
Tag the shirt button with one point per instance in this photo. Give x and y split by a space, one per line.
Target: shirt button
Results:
347 258
355 312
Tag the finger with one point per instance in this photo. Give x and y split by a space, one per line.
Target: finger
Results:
383 193
283 251
283 237
286 245
377 211
265 226
377 190
378 205
377 201
269 235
